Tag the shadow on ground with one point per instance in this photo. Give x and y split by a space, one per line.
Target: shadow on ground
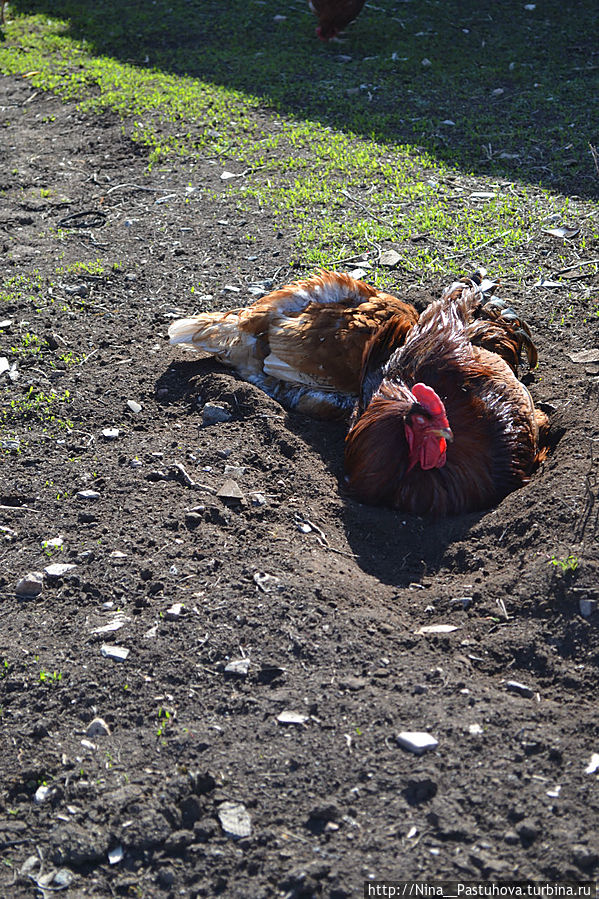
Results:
493 88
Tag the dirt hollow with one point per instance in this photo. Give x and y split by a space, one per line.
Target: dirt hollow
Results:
318 599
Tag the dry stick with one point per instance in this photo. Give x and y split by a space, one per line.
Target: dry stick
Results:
377 218
478 247
570 268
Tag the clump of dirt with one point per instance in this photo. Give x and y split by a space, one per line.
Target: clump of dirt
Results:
189 622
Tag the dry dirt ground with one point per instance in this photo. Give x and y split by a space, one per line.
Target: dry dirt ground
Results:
323 597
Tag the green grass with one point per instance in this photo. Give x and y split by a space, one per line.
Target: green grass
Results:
349 153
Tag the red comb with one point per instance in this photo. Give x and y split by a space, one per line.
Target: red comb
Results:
427 398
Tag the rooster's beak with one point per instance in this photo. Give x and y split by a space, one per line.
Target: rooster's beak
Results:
442 432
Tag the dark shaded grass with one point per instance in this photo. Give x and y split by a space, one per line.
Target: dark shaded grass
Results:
519 85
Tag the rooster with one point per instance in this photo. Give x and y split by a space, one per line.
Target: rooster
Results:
302 344
442 425
334 15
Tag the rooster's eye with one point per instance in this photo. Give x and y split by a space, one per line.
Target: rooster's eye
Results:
419 419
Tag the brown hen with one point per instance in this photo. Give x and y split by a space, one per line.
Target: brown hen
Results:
334 15
302 344
445 426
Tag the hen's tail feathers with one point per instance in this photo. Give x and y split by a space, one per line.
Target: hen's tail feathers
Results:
497 310
211 332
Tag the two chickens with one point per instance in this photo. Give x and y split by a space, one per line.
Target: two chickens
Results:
440 425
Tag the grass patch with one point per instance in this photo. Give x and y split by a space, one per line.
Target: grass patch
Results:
382 139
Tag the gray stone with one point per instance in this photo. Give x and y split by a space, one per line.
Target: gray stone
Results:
30 585
230 491
214 414
97 728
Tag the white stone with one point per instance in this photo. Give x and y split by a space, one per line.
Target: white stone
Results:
174 612
110 433
515 686
437 629
88 495
58 569
111 627
116 855
118 653
235 820
593 766
475 729
41 794
289 717
238 666
390 258
134 407
53 543
417 741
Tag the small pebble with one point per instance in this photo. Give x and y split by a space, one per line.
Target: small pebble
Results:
133 406
174 612
111 627
416 741
91 495
58 569
213 414
118 653
234 819
30 585
234 471
116 855
290 717
515 687
97 728
475 730
593 766
258 499
41 794
110 433
230 491
437 629
239 667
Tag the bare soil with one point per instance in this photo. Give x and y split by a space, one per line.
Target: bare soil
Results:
323 596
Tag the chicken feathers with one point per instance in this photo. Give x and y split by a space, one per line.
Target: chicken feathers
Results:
302 344
466 352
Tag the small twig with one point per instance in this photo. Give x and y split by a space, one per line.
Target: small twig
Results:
471 250
369 212
19 509
85 358
571 268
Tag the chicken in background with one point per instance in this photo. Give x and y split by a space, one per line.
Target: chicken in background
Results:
443 426
303 344
334 15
